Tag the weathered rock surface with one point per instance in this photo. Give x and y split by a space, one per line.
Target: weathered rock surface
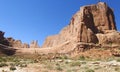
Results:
88 25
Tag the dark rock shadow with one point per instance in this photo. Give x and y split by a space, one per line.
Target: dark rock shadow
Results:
7 51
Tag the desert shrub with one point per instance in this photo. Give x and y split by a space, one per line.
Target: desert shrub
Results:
4 71
12 68
62 57
83 62
81 58
118 60
75 64
21 64
16 60
90 70
14 64
59 68
69 71
2 59
57 64
96 68
117 69
66 62
3 64
49 67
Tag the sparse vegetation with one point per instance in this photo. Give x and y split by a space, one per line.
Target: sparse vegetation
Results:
117 69
12 68
59 64
81 58
90 70
3 64
4 71
59 68
69 70
49 67
118 60
75 64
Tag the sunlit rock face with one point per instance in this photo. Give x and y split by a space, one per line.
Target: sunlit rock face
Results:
84 25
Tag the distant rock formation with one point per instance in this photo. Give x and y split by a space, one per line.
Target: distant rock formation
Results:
89 25
34 44
17 43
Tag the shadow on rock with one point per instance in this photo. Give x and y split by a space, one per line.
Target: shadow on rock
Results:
7 51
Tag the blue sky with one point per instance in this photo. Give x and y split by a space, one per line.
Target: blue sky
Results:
29 20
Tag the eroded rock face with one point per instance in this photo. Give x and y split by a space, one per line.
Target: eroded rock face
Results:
17 43
84 25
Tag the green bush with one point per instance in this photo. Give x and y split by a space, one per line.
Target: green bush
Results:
2 59
118 60
83 62
117 69
59 68
49 67
90 70
75 64
63 57
81 58
3 64
12 68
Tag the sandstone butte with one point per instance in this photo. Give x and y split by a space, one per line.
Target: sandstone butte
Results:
93 26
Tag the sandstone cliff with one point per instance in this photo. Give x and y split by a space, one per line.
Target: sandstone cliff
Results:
88 25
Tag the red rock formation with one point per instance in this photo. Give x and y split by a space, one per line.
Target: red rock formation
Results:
84 26
34 44
16 43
